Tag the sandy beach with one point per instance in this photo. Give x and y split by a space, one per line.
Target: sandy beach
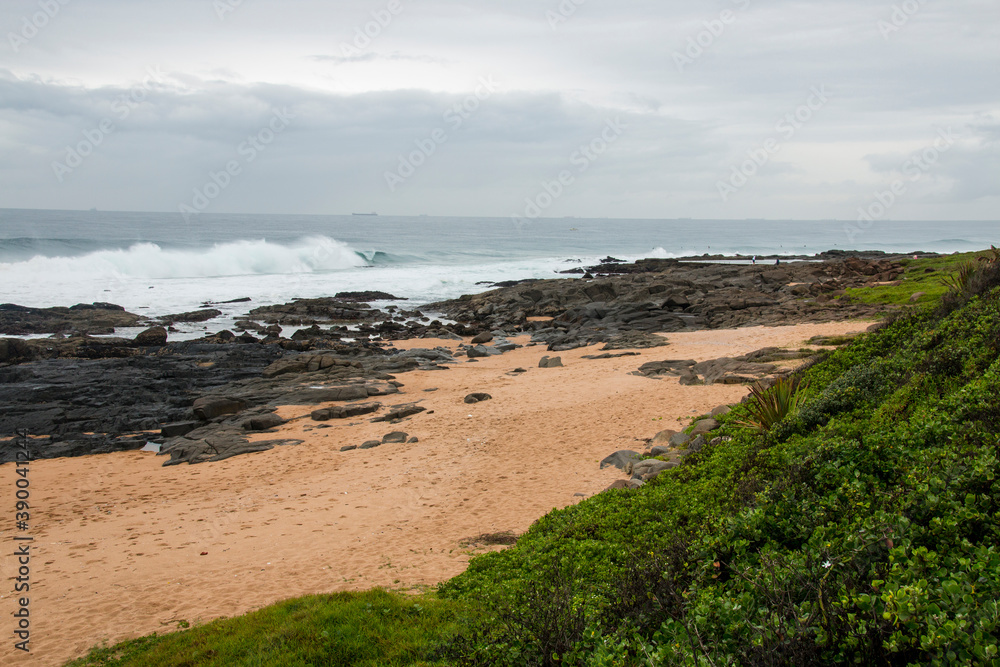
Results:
125 547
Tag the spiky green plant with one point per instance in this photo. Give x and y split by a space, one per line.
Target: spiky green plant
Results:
958 282
770 405
992 256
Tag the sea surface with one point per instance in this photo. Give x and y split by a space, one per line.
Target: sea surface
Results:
160 263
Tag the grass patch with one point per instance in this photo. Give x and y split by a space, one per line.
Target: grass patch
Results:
921 275
373 628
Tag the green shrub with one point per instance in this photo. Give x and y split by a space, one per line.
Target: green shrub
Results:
862 530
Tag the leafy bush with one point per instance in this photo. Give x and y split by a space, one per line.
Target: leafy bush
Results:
863 530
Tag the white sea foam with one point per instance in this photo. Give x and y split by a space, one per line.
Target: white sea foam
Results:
150 261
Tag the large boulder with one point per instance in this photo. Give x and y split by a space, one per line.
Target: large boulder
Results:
679 439
478 351
263 422
704 426
662 438
152 336
484 337
650 468
621 459
550 362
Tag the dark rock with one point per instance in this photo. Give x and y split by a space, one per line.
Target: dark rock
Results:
484 337
348 448
210 407
178 428
152 336
263 422
193 316
396 437
609 355
620 459
370 444
310 396
345 411
721 410
478 351
635 340
697 443
662 438
477 397
14 349
414 440
382 389
367 296
214 443
704 426
679 439
95 318
649 468
400 412
550 362
618 484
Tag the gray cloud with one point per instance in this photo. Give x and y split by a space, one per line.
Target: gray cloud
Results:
359 110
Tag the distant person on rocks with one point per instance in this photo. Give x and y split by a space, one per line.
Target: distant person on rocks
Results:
753 260
777 262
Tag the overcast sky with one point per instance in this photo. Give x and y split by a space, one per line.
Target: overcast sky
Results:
654 109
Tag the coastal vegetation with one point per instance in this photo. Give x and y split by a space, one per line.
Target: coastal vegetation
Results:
857 522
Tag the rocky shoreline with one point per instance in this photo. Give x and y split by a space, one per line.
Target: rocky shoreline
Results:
76 393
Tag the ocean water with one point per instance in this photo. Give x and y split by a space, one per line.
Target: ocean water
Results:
160 263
